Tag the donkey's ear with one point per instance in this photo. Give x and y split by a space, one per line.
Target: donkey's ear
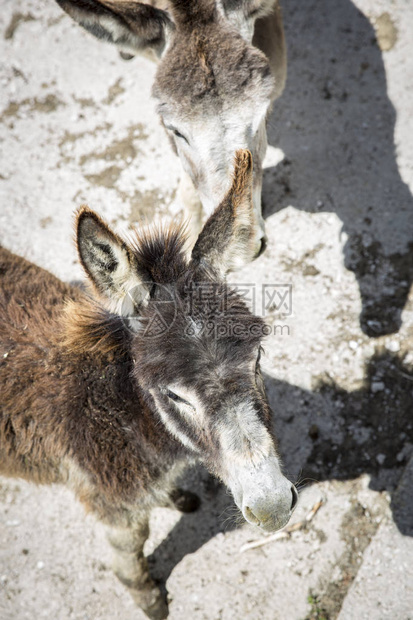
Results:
228 240
244 13
250 9
109 263
132 26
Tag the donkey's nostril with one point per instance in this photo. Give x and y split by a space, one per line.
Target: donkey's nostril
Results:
295 497
250 516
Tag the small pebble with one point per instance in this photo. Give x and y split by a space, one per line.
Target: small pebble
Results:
393 346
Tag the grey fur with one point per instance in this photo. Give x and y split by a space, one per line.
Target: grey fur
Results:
221 65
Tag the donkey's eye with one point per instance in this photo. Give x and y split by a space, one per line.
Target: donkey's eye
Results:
176 398
177 133
173 396
180 136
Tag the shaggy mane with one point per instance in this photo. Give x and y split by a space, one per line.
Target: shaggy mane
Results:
159 251
87 327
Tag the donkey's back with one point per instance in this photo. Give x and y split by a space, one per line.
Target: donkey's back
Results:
31 299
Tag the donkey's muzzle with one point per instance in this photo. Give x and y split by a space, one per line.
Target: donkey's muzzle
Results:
268 515
264 495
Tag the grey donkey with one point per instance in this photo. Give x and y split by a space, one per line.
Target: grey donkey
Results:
113 394
221 65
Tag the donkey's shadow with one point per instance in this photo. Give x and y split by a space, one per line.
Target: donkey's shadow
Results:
335 125
332 434
323 435
216 514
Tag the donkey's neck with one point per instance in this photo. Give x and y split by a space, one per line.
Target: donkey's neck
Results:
129 447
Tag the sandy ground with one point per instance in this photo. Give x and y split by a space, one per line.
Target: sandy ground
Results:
78 126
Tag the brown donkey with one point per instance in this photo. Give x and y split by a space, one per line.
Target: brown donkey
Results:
221 65
112 395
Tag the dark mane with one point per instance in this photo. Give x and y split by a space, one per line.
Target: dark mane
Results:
159 251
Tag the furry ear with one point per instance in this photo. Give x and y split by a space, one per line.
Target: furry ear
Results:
244 13
133 26
228 239
250 9
110 264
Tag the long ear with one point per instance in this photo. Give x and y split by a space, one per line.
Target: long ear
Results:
110 264
228 239
244 13
132 26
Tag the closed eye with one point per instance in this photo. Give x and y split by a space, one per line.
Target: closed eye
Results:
176 133
177 399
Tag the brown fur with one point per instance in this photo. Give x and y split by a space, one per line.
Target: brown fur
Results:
49 395
88 328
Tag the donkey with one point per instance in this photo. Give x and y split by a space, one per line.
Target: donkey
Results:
221 65
113 394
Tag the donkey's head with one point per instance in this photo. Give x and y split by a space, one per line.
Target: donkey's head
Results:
196 346
213 87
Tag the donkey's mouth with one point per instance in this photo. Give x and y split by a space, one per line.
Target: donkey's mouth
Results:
269 517
270 523
273 524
